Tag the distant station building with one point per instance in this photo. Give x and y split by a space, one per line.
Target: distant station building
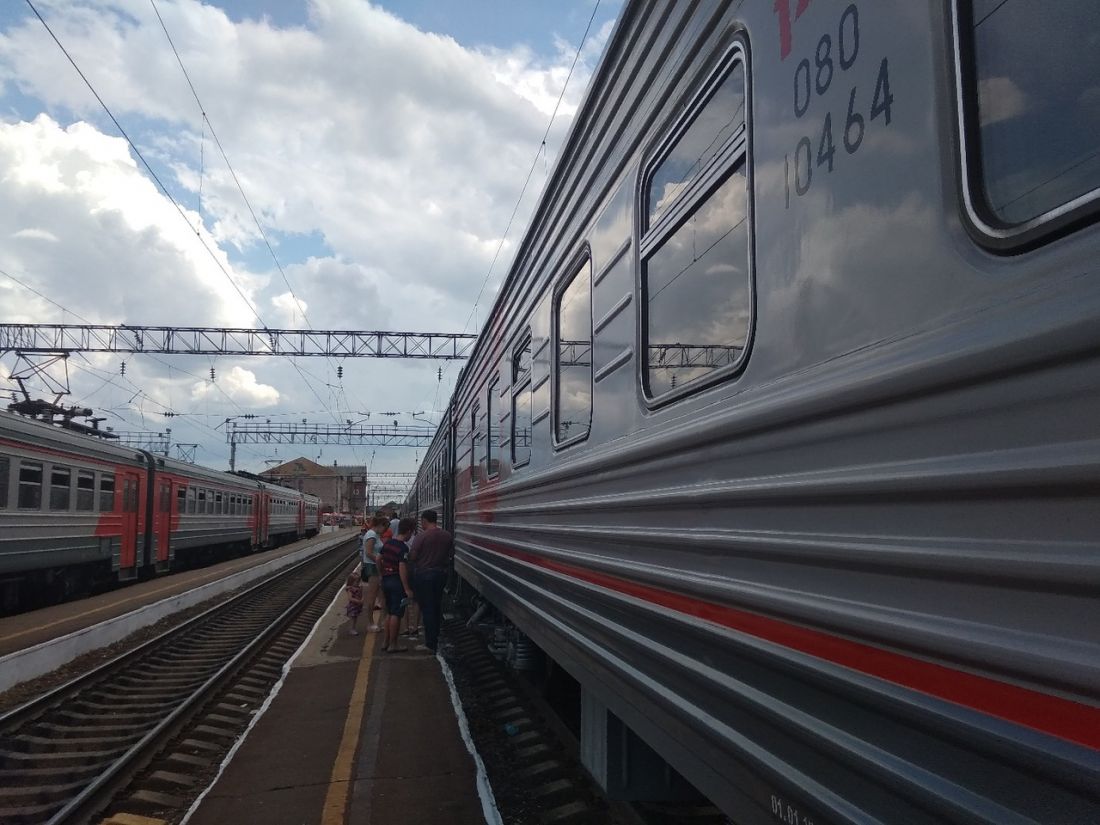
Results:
341 489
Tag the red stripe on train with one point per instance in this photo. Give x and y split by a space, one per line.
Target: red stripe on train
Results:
1072 721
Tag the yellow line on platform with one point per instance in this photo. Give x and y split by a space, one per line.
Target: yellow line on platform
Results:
339 784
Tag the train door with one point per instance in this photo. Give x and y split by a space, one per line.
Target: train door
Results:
263 518
163 524
127 560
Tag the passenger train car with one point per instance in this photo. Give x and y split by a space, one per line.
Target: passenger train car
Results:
75 509
783 435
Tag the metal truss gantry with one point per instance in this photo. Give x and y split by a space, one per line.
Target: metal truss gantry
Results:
66 338
153 442
56 340
375 435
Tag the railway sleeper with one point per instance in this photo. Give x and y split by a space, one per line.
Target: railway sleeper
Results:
30 743
27 814
30 759
120 719
38 794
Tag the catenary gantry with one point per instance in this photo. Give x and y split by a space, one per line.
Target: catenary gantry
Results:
61 338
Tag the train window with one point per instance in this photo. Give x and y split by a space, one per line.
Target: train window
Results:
85 490
219 504
61 479
166 498
107 492
696 278
5 469
573 362
1031 113
475 446
200 507
699 144
521 402
30 486
492 431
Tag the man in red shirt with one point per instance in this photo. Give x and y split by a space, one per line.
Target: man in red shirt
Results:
432 555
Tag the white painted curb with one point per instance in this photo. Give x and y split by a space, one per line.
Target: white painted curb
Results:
35 661
484 790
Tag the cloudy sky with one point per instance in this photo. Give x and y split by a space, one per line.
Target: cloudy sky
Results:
382 147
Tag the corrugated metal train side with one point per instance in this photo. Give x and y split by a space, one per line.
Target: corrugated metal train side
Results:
840 565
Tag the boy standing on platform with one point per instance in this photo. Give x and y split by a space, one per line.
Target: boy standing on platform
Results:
392 562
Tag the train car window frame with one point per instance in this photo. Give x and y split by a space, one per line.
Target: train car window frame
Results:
28 486
982 221
579 265
5 481
521 393
723 166
85 491
475 465
61 494
106 492
492 461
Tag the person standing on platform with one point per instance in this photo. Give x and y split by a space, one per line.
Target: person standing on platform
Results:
392 563
432 556
395 522
370 543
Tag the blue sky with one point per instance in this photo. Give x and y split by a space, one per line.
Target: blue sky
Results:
382 160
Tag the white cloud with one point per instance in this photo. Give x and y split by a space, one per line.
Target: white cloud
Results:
288 311
240 385
34 233
999 98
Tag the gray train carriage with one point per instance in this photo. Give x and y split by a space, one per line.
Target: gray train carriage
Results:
283 514
434 480
782 434
209 512
70 508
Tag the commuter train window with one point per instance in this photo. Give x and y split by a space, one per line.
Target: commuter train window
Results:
696 278
1031 113
30 486
200 507
492 431
107 492
5 469
61 479
85 490
522 401
131 495
475 446
219 504
572 405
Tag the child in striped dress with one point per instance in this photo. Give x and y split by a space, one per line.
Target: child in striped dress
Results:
355 601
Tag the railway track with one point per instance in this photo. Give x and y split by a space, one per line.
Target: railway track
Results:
180 699
530 753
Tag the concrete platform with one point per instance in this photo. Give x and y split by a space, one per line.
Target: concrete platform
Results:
354 735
